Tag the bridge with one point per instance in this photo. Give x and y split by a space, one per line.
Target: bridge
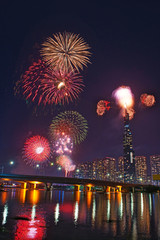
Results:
31 182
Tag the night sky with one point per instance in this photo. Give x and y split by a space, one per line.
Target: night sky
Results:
125 46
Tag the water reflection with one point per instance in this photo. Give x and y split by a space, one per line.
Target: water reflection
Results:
76 211
122 215
30 225
5 214
56 213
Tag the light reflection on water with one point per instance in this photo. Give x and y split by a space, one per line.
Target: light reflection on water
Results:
40 214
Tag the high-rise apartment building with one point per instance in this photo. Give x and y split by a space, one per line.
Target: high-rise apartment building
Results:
120 173
100 169
141 169
128 152
155 164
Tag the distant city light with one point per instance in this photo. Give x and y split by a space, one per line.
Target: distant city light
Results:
77 170
52 164
37 166
11 162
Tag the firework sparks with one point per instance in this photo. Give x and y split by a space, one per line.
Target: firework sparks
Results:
69 123
130 111
147 100
43 85
124 97
66 163
63 144
102 106
65 51
36 151
60 87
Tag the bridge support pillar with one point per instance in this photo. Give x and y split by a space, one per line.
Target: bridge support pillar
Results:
87 188
32 185
76 187
108 189
119 188
48 186
24 185
113 189
133 189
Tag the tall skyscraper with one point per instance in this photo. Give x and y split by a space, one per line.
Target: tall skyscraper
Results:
141 169
128 152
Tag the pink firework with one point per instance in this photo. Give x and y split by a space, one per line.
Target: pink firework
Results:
36 151
42 85
66 163
63 144
102 106
147 100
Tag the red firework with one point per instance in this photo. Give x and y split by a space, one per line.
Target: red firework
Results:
42 85
147 100
36 151
102 106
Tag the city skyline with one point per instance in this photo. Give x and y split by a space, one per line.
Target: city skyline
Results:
122 54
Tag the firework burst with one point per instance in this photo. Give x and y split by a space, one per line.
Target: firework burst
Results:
29 84
40 84
102 106
63 144
36 151
65 162
65 51
123 96
69 123
125 99
147 100
60 87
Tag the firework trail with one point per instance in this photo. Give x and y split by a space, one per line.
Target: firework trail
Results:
42 85
102 106
69 123
66 163
65 51
36 151
147 100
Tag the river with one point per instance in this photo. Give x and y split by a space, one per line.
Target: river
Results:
74 215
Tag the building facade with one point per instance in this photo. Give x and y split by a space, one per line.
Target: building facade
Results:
155 166
100 169
120 172
141 169
128 152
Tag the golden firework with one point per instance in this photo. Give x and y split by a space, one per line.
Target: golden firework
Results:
66 52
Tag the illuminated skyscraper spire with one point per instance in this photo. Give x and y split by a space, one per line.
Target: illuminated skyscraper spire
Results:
128 152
